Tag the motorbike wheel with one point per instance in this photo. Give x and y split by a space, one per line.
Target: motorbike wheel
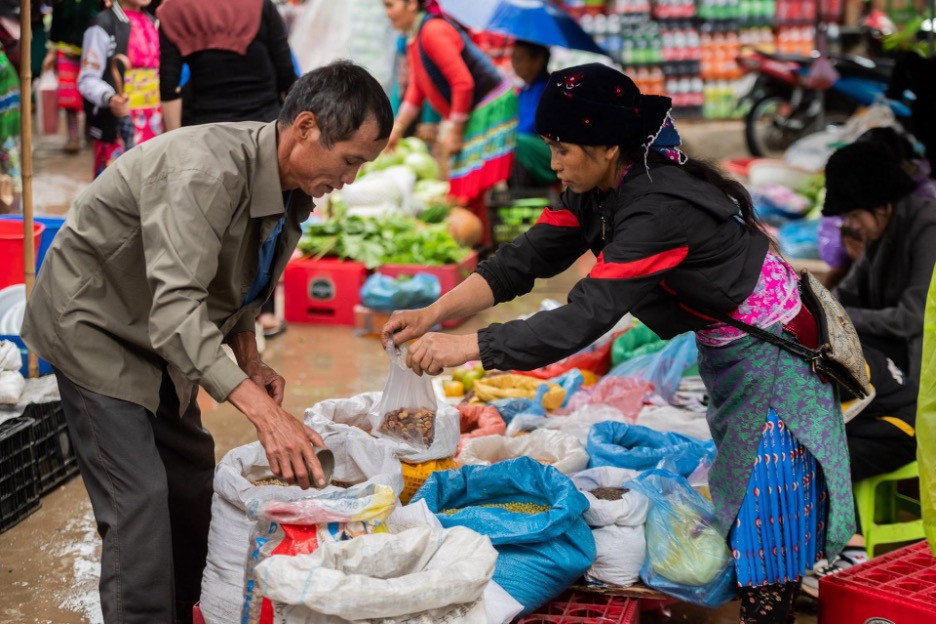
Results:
766 127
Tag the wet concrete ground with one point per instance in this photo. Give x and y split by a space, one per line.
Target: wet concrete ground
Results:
49 563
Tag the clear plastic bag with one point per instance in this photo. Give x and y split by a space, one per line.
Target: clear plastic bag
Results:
686 556
407 408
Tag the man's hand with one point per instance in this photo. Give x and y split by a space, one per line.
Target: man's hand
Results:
287 442
267 378
405 325
435 351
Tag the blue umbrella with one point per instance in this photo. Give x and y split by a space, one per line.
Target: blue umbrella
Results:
530 20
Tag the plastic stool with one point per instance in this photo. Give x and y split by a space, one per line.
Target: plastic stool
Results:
878 509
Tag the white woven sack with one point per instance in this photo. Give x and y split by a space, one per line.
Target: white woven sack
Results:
222 591
336 415
418 576
557 449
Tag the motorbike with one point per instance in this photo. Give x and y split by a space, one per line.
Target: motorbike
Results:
794 96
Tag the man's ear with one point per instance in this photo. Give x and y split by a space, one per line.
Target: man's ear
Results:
305 125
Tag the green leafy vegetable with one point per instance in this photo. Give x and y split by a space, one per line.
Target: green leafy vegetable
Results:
383 240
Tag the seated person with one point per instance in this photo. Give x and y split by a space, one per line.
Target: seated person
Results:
885 291
839 247
531 166
881 439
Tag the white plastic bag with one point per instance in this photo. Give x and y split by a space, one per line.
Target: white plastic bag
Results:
554 448
421 575
11 387
618 526
337 416
229 535
579 423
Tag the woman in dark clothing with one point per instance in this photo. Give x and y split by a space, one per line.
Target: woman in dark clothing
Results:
885 291
241 69
237 53
672 237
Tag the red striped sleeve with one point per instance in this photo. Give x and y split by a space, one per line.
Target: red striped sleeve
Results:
639 268
559 218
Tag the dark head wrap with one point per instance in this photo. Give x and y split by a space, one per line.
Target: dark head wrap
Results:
863 176
597 105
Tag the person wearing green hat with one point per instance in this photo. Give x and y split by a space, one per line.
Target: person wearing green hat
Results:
885 291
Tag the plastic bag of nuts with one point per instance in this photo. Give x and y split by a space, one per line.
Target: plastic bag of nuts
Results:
407 408
415 426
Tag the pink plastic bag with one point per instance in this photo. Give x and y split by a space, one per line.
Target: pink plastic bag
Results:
625 394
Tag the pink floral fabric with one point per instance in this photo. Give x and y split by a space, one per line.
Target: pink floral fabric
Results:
775 299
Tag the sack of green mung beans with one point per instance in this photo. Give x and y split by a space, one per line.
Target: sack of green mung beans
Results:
533 515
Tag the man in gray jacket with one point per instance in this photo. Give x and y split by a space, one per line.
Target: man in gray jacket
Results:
165 257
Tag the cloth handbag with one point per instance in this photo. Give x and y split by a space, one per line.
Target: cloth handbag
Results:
839 356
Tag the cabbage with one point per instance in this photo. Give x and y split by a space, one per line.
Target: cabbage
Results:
423 165
412 145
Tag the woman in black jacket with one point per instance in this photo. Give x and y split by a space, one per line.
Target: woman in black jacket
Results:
675 242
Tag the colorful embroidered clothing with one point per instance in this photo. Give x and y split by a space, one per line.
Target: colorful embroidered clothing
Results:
780 530
775 300
746 380
140 82
67 66
488 152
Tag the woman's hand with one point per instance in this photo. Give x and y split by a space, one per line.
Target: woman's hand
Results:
405 325
435 351
454 140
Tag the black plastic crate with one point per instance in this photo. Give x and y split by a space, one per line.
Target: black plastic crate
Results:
512 212
19 479
55 455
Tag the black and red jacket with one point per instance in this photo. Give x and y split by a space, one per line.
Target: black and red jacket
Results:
664 242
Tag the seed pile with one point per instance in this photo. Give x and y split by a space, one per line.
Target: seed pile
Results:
270 481
524 508
415 426
609 493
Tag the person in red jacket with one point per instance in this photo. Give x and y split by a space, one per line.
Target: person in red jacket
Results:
477 104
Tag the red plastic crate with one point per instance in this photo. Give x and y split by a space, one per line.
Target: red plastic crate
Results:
899 588
450 275
322 291
584 608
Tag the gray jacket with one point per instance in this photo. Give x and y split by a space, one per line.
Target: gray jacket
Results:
885 291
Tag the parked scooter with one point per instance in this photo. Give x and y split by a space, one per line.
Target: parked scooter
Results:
797 95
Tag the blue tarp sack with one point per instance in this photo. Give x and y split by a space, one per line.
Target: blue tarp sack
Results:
511 408
623 445
381 292
665 368
686 556
539 554
571 381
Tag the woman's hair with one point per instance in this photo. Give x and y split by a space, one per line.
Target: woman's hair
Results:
707 172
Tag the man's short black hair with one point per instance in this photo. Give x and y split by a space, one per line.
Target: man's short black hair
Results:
342 95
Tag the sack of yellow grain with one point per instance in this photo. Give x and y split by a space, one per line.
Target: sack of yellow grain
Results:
414 475
516 387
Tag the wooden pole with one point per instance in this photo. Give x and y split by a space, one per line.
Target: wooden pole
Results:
29 249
